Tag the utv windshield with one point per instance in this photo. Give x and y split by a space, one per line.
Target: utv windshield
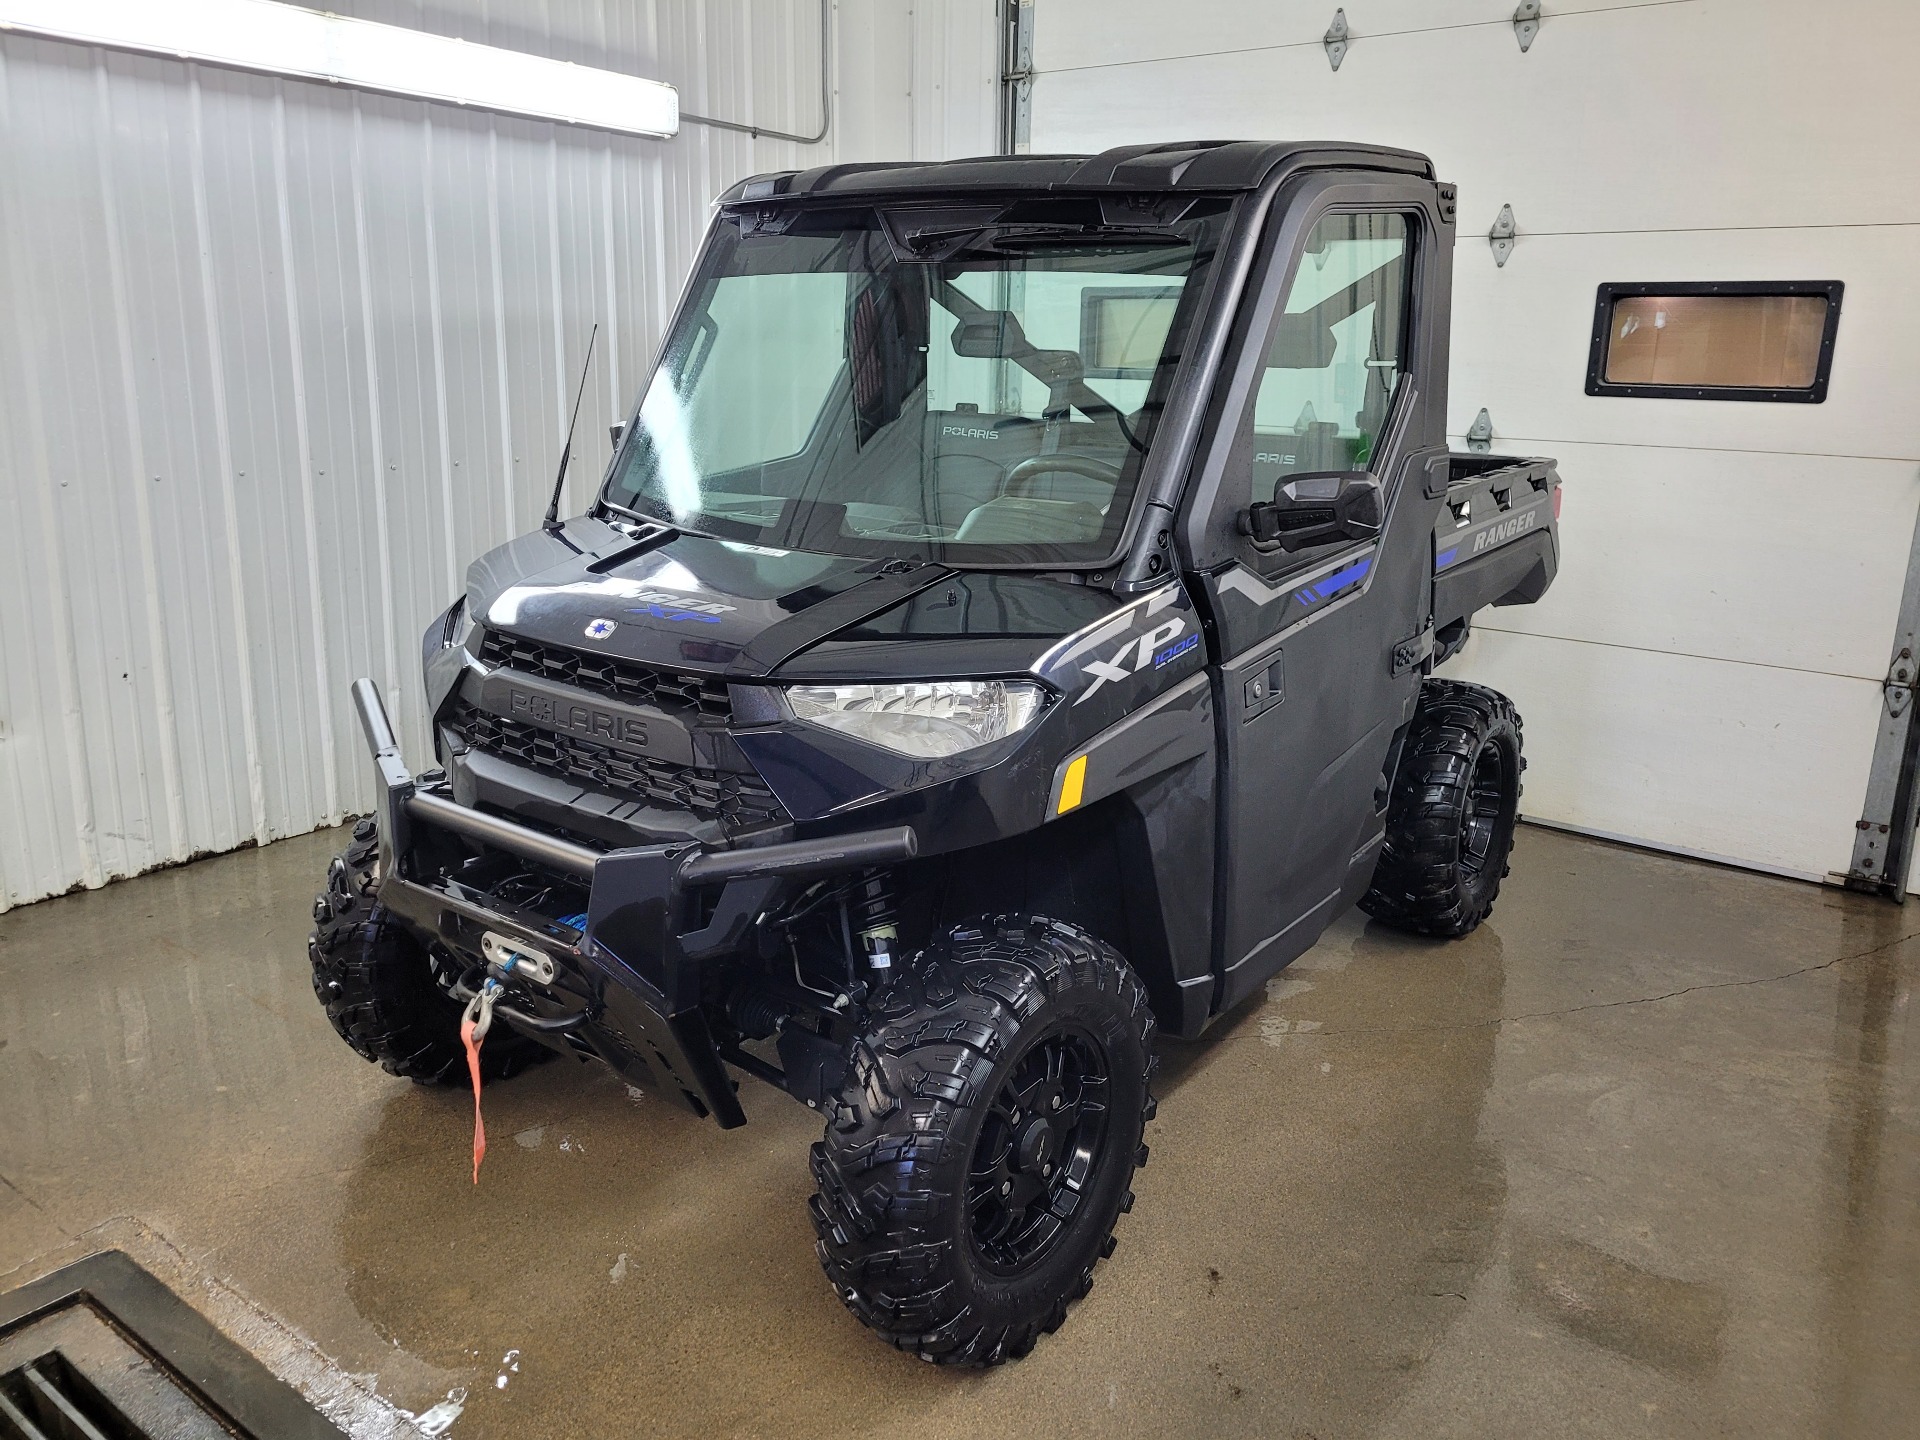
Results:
975 386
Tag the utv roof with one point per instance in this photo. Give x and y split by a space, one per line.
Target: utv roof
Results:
1179 165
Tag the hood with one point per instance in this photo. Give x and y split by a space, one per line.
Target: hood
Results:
692 603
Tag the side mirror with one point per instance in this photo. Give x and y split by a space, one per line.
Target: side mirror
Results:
1317 510
615 431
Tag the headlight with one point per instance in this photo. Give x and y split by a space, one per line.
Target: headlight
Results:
924 719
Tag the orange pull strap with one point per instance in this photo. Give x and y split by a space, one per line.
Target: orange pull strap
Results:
472 1041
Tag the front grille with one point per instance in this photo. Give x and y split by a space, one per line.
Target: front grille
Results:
736 801
674 690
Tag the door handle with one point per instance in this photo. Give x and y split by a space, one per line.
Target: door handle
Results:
1264 689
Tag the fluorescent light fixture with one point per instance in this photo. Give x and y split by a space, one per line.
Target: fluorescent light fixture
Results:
278 39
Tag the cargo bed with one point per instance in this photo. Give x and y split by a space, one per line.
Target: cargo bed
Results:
1496 541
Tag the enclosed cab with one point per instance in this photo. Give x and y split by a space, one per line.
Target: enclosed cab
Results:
1005 628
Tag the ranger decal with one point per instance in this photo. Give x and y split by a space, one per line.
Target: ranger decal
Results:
662 605
1505 531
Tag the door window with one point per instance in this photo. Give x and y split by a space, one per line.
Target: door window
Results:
1336 355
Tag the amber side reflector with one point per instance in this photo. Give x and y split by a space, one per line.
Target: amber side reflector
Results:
1074 782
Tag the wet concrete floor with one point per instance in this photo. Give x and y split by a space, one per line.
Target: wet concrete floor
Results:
1640 1157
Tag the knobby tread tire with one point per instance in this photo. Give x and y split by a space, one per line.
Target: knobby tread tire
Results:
377 984
1420 883
890 1212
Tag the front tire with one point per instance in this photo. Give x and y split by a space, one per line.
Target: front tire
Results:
1451 815
381 988
983 1144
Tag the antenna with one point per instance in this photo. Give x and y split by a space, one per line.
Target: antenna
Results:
552 522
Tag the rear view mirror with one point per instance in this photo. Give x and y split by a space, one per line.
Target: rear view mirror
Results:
615 432
1317 510
990 335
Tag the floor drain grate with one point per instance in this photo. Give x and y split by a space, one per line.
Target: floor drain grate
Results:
101 1350
47 1399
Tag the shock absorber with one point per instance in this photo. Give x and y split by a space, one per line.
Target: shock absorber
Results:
876 920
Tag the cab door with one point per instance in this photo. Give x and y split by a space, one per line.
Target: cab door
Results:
1318 647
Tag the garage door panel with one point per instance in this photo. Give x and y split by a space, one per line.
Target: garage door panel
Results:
1618 741
1553 131
1732 571
1784 560
1520 339
1070 34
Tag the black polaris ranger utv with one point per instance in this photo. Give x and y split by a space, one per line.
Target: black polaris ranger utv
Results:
1004 628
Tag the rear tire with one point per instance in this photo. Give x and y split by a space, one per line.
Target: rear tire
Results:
1451 816
982 1145
382 989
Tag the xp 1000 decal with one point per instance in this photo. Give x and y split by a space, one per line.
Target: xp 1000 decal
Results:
1157 636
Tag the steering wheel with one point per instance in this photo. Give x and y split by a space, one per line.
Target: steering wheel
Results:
1068 464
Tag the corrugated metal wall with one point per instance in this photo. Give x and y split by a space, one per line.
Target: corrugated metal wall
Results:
276 360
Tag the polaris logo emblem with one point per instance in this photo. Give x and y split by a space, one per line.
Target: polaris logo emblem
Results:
586 720
1504 531
966 432
1135 655
600 629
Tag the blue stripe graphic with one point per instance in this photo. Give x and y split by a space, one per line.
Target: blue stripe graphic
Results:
1343 579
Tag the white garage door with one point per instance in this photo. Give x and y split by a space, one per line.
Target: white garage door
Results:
1705 676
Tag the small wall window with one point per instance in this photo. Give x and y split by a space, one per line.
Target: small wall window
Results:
1731 340
1122 330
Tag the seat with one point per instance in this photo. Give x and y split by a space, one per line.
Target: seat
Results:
1021 520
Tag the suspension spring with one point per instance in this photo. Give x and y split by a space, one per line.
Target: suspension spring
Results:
876 920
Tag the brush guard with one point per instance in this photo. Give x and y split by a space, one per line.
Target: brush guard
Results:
657 917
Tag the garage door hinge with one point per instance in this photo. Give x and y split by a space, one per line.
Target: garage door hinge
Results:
1337 38
1412 653
1897 689
1500 237
1526 23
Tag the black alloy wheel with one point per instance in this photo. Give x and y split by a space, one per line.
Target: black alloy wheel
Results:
985 1138
1451 812
1486 828
1037 1150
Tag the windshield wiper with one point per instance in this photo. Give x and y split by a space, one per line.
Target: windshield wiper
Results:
653 522
943 242
1027 237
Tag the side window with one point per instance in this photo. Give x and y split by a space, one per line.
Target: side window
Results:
1337 352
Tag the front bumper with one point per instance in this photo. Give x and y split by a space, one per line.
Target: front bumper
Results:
634 975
